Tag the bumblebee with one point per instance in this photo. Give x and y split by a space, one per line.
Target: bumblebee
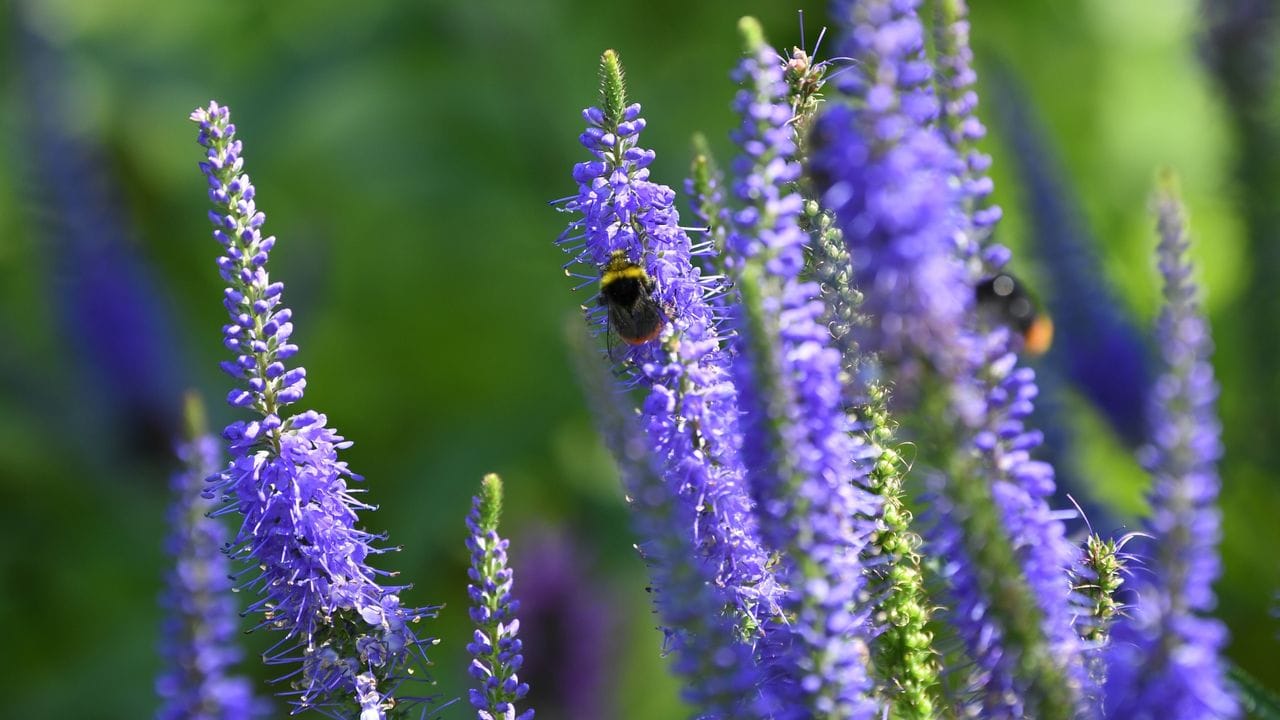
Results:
1004 300
626 291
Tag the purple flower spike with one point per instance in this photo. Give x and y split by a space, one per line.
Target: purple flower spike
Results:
887 174
721 679
894 183
1165 657
805 468
350 635
200 626
690 414
495 649
713 581
1022 487
963 129
569 625
1006 552
115 318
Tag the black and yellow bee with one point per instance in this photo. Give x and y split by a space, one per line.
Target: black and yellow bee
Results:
626 291
1005 301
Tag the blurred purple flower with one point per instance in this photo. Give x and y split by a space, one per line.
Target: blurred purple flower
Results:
805 468
887 175
1164 662
113 314
349 635
199 633
567 629
1028 658
958 116
886 171
1099 347
1238 41
1237 44
1022 487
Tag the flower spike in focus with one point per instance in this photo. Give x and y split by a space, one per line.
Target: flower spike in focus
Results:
808 473
348 638
495 649
689 416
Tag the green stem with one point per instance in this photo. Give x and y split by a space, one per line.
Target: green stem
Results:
905 659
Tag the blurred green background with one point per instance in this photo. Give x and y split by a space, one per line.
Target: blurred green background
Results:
404 154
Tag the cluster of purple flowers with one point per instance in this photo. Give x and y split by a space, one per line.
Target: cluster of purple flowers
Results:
495 649
910 206
805 467
348 638
894 171
1164 655
690 412
200 621
747 410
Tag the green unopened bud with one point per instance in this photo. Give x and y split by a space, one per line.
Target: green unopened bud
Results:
490 502
1098 578
613 89
752 34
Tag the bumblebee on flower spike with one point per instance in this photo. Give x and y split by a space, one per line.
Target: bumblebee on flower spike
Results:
626 291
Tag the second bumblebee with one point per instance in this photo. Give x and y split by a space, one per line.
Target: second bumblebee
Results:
1005 301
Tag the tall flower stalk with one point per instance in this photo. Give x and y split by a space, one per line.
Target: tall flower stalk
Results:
1002 439
894 182
958 117
888 177
721 677
1165 656
1049 667
347 639
495 649
716 588
690 412
114 316
903 660
807 471
199 633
